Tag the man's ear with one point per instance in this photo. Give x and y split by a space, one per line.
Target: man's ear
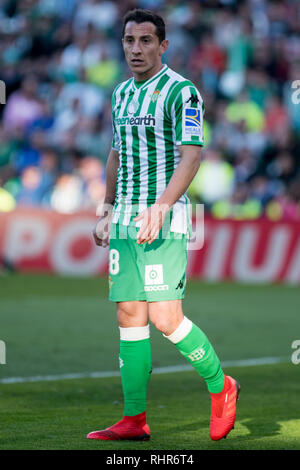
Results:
164 46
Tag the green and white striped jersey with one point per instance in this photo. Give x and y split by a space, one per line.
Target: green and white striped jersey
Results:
149 122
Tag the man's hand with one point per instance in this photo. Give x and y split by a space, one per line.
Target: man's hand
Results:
102 228
153 219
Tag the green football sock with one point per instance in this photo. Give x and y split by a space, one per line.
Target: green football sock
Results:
194 345
136 367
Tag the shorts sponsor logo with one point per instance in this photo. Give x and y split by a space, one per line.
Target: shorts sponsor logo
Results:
156 288
192 121
154 274
154 278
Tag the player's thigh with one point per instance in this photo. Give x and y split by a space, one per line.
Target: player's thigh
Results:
125 283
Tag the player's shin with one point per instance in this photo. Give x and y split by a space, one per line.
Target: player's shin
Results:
194 345
135 367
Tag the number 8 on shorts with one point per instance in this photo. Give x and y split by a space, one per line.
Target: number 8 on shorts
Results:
114 258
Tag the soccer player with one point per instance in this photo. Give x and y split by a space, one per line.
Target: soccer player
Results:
157 138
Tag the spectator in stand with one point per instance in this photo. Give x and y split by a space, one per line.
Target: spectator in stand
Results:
102 14
214 179
23 106
208 60
7 201
276 116
49 172
91 171
286 206
67 194
30 193
241 205
247 111
261 189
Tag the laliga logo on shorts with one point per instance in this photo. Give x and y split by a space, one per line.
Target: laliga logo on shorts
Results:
154 278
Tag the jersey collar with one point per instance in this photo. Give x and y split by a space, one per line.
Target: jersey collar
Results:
150 80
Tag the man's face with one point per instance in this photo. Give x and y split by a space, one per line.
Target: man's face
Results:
142 49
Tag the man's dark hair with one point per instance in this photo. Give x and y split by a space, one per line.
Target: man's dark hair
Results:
141 16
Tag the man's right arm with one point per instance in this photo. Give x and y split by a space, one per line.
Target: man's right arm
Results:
112 166
102 228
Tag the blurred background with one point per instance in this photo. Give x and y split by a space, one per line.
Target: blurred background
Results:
61 59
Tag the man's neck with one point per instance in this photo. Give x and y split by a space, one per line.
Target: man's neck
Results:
142 77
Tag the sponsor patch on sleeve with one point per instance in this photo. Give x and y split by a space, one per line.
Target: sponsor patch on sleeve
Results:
193 121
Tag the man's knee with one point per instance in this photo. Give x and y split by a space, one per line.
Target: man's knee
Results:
131 314
166 316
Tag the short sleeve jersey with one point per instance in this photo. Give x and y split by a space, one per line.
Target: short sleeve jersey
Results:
149 123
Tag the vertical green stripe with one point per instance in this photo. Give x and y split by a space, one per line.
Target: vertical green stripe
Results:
136 153
169 149
123 141
124 146
124 159
169 93
152 165
136 165
151 145
178 118
173 95
122 95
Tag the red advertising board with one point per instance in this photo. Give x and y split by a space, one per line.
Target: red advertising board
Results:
245 251
40 240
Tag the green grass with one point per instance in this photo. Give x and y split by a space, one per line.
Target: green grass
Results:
55 325
58 415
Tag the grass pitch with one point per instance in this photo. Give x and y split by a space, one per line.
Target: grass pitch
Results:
55 325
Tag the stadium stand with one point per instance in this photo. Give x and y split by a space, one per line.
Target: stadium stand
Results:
60 60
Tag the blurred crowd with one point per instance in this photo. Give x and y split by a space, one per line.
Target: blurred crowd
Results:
61 59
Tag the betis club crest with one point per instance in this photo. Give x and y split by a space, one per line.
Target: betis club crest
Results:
155 96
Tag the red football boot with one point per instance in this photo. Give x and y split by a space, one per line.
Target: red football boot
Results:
133 428
223 409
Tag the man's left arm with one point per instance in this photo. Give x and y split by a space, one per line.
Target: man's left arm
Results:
153 217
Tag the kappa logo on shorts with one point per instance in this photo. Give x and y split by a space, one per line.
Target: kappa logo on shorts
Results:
180 285
154 278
